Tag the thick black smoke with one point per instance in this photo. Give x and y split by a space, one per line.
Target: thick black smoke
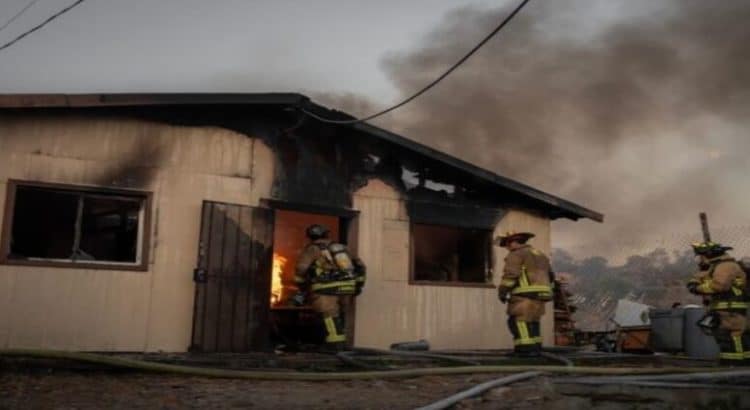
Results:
641 116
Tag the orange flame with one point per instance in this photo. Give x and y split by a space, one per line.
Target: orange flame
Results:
276 275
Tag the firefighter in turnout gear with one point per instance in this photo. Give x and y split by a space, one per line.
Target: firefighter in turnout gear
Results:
331 276
722 283
526 286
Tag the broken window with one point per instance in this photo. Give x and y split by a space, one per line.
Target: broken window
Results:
65 225
451 254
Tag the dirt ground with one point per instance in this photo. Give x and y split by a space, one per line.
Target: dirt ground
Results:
100 390
63 390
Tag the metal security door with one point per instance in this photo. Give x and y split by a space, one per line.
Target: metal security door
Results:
232 279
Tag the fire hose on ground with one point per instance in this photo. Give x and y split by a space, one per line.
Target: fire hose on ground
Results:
125 363
348 357
477 390
669 381
672 381
718 375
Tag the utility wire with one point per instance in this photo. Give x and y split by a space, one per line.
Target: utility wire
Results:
44 23
23 10
430 85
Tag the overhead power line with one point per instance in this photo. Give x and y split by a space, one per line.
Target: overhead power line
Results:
430 85
44 23
23 10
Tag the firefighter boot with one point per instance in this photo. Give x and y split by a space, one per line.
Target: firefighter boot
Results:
535 331
730 348
340 324
335 336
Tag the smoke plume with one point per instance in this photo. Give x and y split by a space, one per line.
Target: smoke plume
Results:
637 109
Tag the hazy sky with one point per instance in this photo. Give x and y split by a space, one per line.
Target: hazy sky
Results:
219 45
231 45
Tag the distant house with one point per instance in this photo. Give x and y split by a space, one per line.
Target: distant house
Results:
172 221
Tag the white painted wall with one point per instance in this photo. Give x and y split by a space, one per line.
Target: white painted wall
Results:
84 309
391 310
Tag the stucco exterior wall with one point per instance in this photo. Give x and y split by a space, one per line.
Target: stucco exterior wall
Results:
392 310
85 309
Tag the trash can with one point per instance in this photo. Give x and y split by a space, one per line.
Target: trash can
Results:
697 343
666 329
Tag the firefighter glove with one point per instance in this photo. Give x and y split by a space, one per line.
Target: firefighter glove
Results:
298 299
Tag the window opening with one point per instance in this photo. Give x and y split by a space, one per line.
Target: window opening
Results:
451 254
76 226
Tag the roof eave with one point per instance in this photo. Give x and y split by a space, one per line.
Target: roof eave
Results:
569 209
563 208
140 99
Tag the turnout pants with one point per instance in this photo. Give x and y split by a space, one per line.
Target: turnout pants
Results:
733 338
330 309
524 315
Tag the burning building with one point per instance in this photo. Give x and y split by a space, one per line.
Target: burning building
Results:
173 221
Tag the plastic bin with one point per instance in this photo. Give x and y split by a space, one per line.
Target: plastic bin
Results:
666 329
698 344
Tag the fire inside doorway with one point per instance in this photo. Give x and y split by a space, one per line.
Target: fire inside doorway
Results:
294 325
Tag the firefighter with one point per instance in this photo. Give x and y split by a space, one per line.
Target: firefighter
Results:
526 287
722 284
331 277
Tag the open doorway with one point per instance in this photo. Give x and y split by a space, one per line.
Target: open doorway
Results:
244 275
294 325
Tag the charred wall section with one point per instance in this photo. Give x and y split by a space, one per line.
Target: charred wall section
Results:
323 164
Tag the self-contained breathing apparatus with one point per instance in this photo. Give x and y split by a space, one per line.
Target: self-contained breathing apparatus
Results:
335 271
338 254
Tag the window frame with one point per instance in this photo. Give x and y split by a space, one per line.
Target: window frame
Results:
412 262
144 234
